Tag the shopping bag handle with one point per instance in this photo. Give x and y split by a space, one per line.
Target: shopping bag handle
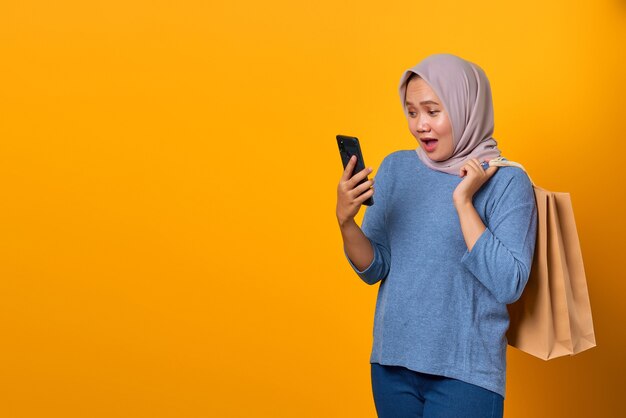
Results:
501 161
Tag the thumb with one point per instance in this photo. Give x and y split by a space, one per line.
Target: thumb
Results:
491 170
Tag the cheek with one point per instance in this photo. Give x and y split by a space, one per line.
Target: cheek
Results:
446 130
444 127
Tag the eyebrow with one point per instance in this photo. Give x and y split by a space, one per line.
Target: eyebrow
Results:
424 102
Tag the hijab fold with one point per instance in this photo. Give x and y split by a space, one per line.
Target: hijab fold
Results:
465 91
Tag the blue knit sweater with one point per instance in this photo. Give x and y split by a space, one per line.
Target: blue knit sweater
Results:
441 309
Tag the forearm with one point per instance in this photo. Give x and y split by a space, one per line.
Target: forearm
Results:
471 224
356 244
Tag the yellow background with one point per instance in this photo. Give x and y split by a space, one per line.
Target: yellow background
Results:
168 243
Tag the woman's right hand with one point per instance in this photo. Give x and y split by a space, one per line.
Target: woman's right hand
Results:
349 195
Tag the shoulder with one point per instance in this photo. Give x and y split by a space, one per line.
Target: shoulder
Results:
402 154
397 164
397 158
510 176
393 167
511 186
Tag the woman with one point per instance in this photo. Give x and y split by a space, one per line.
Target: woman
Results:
451 243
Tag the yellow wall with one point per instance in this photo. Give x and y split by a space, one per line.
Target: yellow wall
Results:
168 243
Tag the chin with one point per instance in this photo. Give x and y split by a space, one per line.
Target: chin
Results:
435 158
438 158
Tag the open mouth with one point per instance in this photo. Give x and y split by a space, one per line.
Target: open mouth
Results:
429 144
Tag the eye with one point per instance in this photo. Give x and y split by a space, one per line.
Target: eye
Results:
430 112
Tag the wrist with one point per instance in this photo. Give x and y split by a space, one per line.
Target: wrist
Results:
346 223
462 201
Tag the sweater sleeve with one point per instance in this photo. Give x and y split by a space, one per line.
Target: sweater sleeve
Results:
502 256
374 228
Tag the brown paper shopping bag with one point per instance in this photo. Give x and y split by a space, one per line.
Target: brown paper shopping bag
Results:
552 318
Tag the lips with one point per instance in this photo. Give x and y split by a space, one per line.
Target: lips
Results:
429 143
427 140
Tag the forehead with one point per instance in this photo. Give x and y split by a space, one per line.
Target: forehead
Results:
419 91
418 83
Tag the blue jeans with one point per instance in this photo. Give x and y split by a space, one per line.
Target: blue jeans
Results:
403 393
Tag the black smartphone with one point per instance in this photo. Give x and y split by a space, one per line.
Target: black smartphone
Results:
349 146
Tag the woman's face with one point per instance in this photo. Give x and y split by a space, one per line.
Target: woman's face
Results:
428 120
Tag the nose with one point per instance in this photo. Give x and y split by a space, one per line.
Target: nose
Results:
421 125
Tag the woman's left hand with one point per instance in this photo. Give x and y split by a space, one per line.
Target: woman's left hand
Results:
475 176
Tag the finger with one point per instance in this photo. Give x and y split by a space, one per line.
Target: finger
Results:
472 165
491 171
349 167
361 188
356 179
362 198
480 167
464 170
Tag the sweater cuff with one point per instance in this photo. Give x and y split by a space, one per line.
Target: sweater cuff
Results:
368 268
469 258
